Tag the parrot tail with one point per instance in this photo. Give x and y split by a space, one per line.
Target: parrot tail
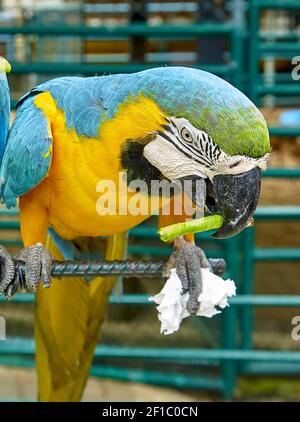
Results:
4 105
68 319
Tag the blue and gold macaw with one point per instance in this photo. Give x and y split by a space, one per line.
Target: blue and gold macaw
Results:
170 123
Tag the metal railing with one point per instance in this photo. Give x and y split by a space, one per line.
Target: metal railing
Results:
271 45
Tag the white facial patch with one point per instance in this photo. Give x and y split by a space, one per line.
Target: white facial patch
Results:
181 150
170 161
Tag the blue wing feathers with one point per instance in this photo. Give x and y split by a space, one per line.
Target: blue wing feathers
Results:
25 162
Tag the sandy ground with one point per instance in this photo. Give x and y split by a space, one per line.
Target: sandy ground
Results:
21 384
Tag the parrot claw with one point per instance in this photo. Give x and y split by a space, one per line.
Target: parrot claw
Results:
38 266
188 259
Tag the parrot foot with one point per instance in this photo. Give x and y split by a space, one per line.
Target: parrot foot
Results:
188 259
38 266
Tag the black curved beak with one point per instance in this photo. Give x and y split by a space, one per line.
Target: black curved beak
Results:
237 197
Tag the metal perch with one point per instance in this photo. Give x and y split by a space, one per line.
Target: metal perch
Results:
87 269
113 268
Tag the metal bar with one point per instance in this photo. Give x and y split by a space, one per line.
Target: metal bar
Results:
278 48
104 268
120 8
228 334
90 69
9 211
276 4
247 286
272 35
265 300
277 254
11 243
280 77
282 172
208 49
271 368
284 131
142 299
151 7
280 89
21 298
132 29
237 39
25 347
289 212
233 255
138 43
110 268
200 354
9 225
253 64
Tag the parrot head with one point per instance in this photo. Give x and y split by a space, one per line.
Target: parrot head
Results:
212 132
4 65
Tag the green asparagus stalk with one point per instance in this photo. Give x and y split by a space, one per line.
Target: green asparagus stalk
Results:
203 224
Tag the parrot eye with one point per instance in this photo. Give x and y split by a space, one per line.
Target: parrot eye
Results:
237 163
186 135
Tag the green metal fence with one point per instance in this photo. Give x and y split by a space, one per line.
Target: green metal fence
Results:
232 30
235 354
270 45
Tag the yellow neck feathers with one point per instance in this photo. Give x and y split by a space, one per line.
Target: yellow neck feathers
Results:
135 118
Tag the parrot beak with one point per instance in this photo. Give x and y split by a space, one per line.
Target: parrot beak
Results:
236 198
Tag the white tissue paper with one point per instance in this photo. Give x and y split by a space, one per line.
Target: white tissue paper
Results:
172 304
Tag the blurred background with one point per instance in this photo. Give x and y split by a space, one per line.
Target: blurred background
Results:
248 352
